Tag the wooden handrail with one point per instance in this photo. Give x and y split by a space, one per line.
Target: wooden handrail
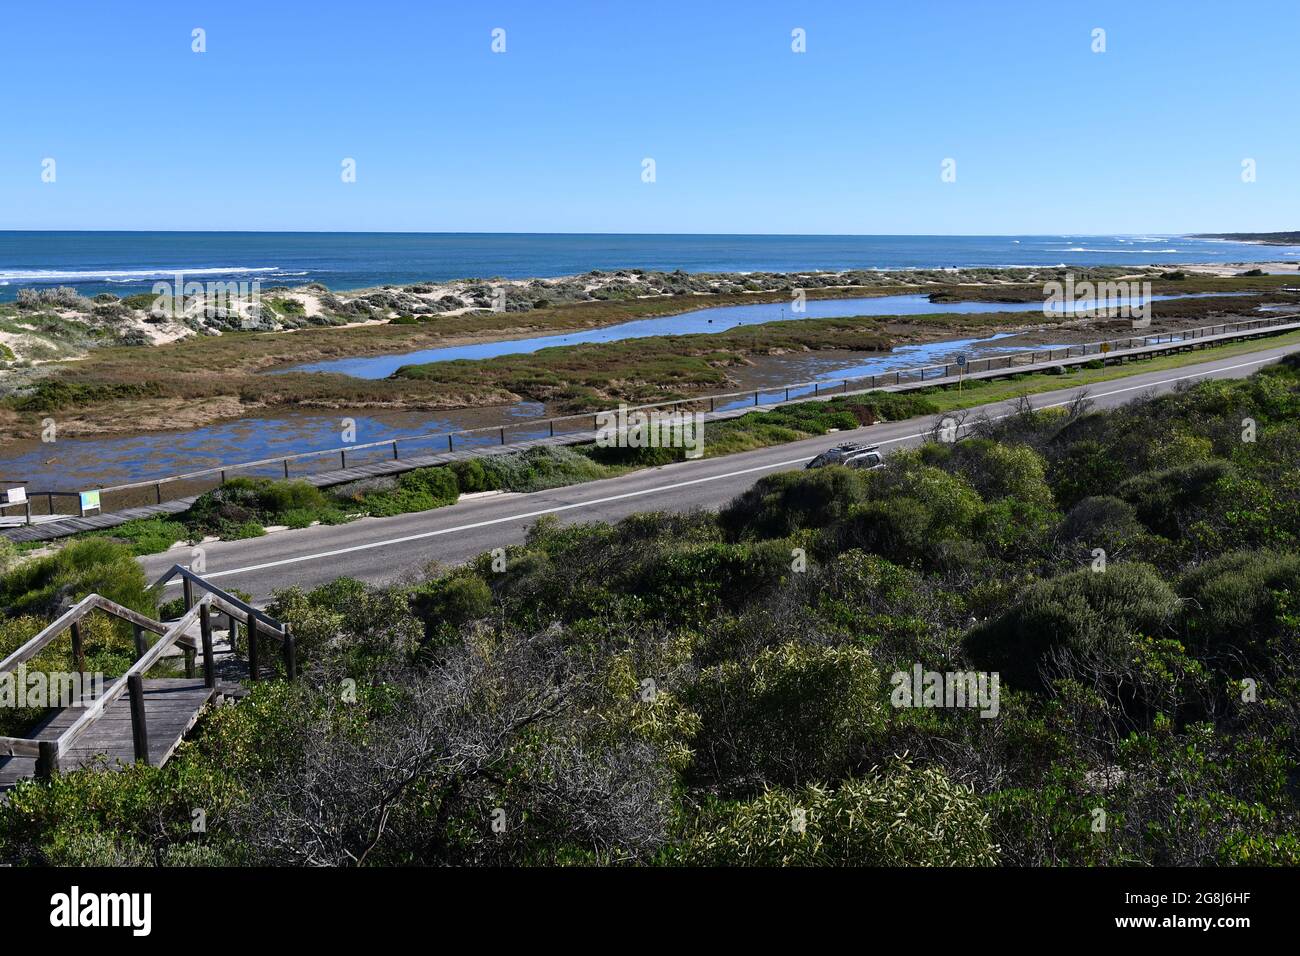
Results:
128 615
60 624
224 600
138 669
48 753
19 747
74 615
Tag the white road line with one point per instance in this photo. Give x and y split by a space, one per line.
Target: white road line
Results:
657 489
492 521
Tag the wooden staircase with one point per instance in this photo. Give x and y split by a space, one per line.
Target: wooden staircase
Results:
136 717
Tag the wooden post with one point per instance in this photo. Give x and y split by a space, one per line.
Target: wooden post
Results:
187 588
209 665
394 449
450 446
286 468
157 490
139 732
290 654
343 459
47 763
78 649
252 648
140 645
503 435
189 661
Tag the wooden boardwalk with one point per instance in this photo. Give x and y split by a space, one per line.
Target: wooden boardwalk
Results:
171 705
134 717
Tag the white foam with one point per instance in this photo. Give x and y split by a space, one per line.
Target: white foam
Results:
55 275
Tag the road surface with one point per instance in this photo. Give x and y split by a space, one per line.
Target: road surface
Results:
385 550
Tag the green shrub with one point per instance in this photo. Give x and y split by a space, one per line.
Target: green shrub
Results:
1087 468
896 529
8 555
361 626
149 535
1093 616
1165 500
538 469
1239 605
952 504
620 457
471 477
447 603
420 490
778 505
906 817
235 508
93 565
998 471
793 715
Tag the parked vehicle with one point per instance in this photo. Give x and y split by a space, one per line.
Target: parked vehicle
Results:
850 455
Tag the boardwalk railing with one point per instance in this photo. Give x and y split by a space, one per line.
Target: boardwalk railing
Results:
915 376
257 624
49 753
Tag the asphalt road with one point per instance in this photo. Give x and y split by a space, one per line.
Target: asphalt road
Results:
382 550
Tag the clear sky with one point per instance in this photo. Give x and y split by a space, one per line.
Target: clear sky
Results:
746 135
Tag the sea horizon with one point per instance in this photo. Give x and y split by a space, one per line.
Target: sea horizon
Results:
128 261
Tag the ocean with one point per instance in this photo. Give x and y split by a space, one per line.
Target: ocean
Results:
129 262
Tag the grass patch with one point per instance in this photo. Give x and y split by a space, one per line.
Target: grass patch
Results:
148 535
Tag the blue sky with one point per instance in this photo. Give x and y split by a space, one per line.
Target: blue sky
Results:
747 136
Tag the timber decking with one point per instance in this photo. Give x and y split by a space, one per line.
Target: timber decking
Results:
171 706
134 717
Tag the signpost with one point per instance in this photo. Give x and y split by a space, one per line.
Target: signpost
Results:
16 496
961 369
89 501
